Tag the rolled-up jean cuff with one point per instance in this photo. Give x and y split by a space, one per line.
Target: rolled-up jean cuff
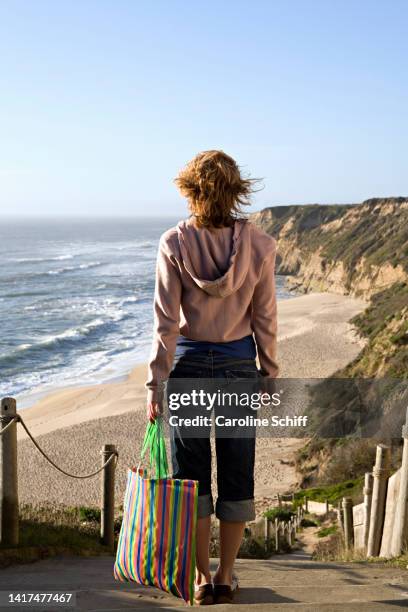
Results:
235 511
205 506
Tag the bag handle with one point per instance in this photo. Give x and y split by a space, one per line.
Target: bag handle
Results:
154 444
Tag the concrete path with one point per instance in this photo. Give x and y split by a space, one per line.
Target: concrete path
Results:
287 582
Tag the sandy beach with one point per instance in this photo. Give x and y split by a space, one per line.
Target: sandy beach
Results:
315 339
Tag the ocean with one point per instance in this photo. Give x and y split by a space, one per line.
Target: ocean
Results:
76 301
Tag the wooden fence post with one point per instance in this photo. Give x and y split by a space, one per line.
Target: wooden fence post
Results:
279 501
289 533
348 522
380 473
277 535
340 516
327 506
267 532
368 493
282 531
8 475
399 541
306 504
108 497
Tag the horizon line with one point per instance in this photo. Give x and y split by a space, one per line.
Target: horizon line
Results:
124 216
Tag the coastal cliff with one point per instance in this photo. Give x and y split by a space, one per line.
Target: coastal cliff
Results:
359 250
356 250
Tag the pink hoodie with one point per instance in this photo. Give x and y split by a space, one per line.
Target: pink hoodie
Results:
213 285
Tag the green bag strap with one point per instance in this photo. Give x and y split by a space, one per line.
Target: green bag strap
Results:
155 444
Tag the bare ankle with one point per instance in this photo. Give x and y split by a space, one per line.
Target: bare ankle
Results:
223 576
203 577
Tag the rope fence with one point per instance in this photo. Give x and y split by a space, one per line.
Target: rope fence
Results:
113 456
4 420
280 533
9 519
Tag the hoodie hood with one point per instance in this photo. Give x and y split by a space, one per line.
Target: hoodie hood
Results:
217 260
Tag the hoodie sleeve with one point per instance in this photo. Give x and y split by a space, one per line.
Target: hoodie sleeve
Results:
167 299
264 317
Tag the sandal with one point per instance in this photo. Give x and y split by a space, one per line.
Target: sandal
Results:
224 593
204 594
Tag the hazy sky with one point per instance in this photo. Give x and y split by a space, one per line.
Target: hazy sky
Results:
102 101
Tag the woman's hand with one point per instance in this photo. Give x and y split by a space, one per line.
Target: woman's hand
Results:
153 411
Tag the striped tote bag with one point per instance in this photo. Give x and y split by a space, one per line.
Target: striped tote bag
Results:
157 538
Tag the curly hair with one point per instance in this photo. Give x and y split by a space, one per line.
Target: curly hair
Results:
215 189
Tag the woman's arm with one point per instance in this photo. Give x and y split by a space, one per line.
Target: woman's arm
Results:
166 321
264 317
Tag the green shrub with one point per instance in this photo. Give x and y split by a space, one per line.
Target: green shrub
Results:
306 522
89 515
327 531
333 492
283 514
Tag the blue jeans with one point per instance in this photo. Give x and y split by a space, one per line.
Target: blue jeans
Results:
191 457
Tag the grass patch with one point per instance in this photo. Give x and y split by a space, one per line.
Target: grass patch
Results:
327 531
282 514
333 549
306 522
384 306
401 561
92 515
385 324
333 492
53 525
50 529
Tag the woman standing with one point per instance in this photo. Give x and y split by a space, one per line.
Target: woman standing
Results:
214 312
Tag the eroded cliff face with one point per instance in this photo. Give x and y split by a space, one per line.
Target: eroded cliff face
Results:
348 249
